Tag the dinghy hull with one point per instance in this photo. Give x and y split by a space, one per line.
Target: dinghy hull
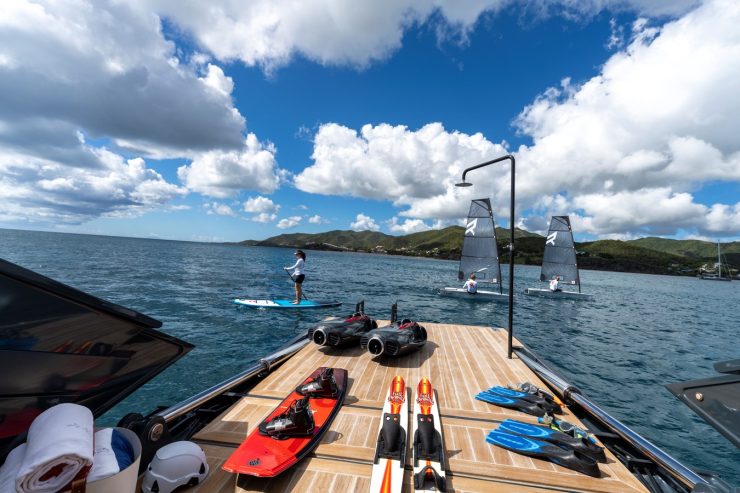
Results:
481 295
569 295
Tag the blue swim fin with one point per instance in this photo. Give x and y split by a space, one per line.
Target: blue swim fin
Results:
549 407
507 402
546 434
542 450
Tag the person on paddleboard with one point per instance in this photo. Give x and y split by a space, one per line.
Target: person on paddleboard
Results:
554 285
471 285
298 274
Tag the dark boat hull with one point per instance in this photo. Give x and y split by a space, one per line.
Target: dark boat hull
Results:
63 345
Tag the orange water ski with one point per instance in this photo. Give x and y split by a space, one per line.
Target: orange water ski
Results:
390 450
429 452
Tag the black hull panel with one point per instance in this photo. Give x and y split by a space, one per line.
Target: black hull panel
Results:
58 344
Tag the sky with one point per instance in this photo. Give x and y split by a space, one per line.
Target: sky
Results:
226 120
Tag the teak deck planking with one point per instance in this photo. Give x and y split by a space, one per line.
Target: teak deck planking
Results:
460 362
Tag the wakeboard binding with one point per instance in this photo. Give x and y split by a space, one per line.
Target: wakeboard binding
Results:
296 421
323 386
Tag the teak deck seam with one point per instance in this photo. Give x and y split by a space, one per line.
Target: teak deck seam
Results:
460 361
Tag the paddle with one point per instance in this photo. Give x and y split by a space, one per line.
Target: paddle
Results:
291 278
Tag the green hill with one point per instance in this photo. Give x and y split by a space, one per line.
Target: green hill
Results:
351 240
445 243
624 256
687 248
647 255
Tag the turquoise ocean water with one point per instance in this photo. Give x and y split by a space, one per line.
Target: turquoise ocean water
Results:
641 332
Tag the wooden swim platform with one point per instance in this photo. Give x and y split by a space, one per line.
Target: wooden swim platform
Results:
460 361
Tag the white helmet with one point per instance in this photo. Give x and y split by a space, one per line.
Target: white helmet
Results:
174 465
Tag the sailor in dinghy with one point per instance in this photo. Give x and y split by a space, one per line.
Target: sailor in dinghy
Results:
471 285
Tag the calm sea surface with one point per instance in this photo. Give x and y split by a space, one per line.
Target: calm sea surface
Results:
641 332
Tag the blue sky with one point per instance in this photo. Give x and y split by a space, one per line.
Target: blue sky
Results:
179 122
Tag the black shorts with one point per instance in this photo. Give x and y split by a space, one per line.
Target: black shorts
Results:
299 278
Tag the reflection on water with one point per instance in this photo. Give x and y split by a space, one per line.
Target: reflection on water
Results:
640 332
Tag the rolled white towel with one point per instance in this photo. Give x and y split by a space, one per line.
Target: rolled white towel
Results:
9 470
59 445
104 461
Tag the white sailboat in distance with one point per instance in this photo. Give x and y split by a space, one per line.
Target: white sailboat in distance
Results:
717 274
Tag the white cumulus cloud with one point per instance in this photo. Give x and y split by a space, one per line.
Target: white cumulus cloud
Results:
623 152
364 223
47 192
628 148
217 80
408 226
416 168
289 222
222 174
71 69
70 62
263 209
219 209
271 32
316 219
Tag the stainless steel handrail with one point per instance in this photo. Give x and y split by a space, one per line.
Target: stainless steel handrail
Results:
569 392
263 365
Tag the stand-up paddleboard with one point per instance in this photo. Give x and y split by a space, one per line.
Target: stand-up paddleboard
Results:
287 304
390 451
429 451
293 428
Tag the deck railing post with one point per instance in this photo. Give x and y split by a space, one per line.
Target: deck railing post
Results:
511 237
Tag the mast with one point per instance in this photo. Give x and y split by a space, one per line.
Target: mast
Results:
719 262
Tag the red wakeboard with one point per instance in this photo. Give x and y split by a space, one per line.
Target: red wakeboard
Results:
264 456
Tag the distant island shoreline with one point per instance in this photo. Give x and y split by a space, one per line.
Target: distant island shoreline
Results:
651 255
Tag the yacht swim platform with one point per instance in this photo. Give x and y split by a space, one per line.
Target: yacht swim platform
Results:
460 361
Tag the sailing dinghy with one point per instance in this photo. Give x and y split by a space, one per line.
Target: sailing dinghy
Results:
560 260
479 255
